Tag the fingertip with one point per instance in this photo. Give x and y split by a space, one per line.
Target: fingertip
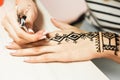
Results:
54 21
34 36
30 60
58 24
9 45
41 34
26 59
30 31
12 45
13 53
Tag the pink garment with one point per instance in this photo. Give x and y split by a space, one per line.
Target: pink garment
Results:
65 10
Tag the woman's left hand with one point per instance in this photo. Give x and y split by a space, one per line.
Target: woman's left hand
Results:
57 47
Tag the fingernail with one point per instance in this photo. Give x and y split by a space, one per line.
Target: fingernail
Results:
30 31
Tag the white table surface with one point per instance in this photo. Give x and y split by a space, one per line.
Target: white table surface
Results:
13 68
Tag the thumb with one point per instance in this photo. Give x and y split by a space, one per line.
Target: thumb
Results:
60 25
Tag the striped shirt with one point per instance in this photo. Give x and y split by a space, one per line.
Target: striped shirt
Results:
104 14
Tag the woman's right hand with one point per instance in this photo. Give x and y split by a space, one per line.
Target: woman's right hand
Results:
11 25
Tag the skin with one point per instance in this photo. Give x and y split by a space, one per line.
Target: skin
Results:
49 51
17 33
28 8
12 26
36 48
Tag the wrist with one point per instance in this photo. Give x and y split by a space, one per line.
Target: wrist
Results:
107 45
110 43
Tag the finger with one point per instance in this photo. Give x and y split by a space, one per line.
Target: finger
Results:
32 37
31 17
30 31
60 25
13 46
28 37
25 37
34 51
22 34
31 13
48 57
19 11
8 28
43 42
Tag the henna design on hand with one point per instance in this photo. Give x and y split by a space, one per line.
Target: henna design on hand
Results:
110 45
99 37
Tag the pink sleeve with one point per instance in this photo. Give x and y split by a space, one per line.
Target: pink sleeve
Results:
65 10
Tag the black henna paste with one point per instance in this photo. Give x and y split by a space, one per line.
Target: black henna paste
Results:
92 35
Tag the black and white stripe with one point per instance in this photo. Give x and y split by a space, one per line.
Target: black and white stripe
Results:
104 14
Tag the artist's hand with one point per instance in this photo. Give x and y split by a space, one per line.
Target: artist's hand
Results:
27 8
11 25
62 46
18 35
